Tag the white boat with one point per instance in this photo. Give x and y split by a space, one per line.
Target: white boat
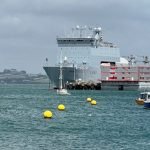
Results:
61 90
147 100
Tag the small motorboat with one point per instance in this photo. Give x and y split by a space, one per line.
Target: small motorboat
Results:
141 99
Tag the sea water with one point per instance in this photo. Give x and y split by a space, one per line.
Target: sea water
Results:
115 123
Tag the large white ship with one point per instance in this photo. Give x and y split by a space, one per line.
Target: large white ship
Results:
83 51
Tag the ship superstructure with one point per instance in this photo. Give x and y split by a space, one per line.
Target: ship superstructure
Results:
133 74
83 50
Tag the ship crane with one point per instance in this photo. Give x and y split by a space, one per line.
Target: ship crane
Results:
134 59
145 59
131 60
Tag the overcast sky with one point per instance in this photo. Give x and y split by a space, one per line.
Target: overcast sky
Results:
28 28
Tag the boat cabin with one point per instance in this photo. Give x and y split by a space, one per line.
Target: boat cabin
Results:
145 95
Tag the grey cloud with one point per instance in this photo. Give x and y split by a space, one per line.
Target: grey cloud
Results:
28 28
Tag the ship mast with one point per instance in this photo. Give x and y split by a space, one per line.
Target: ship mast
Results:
60 75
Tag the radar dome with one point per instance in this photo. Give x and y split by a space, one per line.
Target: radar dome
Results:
99 28
77 27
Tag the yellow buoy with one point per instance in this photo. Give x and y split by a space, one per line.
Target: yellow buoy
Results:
93 102
89 99
61 107
47 114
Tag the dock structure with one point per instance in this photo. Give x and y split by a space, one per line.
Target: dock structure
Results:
104 85
83 86
108 85
120 85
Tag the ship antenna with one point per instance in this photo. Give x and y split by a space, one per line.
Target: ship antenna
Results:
80 29
72 32
46 61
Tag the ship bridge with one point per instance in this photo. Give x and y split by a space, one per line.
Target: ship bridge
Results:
84 37
73 42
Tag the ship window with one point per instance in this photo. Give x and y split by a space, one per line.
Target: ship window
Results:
79 40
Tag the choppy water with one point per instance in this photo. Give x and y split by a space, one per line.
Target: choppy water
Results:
115 123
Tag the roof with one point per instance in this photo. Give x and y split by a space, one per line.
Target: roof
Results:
145 93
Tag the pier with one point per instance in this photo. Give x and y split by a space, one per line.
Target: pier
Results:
107 85
83 86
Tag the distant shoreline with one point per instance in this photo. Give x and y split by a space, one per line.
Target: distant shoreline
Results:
13 76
